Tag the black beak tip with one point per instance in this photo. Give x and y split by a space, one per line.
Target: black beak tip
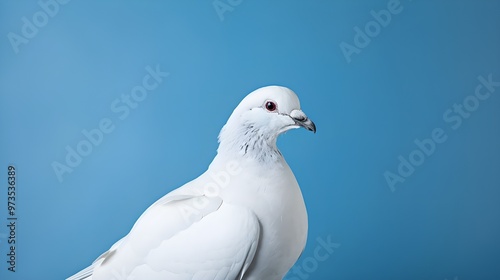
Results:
313 127
304 122
309 125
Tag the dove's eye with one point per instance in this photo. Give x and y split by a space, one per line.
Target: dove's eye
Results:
271 106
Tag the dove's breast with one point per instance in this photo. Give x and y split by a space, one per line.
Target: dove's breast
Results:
273 194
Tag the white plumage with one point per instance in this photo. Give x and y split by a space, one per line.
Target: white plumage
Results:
244 218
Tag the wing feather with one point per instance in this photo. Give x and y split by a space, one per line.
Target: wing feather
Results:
182 237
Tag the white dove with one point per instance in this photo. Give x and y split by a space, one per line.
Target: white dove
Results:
244 218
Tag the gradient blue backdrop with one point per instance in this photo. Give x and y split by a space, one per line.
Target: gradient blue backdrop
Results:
441 223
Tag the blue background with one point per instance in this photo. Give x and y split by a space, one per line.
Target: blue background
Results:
442 222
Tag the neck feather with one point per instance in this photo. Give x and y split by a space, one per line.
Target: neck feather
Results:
248 141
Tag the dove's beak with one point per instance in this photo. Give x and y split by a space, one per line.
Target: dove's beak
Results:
302 120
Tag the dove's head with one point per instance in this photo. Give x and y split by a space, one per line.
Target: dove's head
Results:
256 123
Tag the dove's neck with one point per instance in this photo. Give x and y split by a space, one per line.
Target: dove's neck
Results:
248 142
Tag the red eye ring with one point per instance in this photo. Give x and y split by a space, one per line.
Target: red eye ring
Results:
270 106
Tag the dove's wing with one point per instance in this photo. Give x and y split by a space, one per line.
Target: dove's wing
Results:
183 237
162 205
220 246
